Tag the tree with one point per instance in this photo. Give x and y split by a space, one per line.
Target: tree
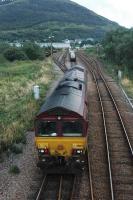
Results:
33 51
118 46
14 53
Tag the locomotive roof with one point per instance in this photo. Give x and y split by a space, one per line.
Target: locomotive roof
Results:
75 73
69 94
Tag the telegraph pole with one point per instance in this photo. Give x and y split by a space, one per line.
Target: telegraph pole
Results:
51 45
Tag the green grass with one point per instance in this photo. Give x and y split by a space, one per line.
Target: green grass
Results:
91 51
128 86
127 76
17 104
112 69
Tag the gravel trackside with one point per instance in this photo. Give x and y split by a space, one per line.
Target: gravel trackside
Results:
21 186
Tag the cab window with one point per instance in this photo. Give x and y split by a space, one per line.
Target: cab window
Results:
46 128
73 128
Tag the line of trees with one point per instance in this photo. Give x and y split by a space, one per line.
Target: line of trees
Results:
29 51
118 47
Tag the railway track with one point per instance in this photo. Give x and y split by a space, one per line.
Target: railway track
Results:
57 187
112 178
59 60
67 186
119 151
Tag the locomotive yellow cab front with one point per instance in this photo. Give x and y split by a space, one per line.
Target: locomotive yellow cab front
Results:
61 146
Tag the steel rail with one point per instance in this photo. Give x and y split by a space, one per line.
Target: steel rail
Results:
59 194
90 175
105 129
60 188
88 159
121 120
57 61
72 194
41 188
118 111
107 142
62 67
115 104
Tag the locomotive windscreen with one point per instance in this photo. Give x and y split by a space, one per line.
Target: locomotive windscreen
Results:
72 128
64 128
46 128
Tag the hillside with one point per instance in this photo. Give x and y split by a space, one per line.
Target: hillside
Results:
37 19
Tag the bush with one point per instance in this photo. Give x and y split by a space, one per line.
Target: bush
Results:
33 51
14 169
17 148
14 53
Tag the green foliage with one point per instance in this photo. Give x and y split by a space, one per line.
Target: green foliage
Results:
86 42
91 51
3 46
36 19
118 47
28 51
14 53
17 105
33 51
14 169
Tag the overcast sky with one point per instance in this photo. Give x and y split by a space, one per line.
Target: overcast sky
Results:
120 11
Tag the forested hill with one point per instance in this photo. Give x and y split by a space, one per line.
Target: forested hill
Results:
37 19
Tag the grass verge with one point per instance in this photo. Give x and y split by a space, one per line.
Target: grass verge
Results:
127 76
112 70
17 104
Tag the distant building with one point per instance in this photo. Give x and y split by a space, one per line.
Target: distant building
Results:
16 44
90 39
67 41
87 46
78 41
56 45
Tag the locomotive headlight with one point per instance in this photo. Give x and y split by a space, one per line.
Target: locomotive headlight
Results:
77 151
41 150
59 118
44 151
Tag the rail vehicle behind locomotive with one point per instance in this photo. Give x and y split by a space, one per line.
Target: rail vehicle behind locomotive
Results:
72 56
61 125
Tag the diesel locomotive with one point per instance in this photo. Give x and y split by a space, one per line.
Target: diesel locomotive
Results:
72 56
61 126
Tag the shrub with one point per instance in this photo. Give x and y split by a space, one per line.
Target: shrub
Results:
14 53
14 169
33 51
17 148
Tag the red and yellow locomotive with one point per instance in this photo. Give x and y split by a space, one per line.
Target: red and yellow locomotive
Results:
61 125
